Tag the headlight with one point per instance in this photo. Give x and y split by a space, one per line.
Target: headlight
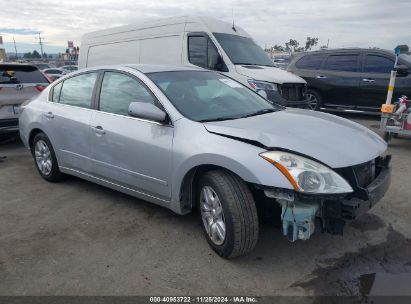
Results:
262 85
306 175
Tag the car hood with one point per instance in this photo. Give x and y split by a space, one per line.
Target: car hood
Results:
334 141
270 74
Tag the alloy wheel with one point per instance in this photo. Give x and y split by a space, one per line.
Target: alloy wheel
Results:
312 101
43 157
212 215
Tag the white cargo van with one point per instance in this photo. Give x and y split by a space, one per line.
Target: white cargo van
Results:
199 41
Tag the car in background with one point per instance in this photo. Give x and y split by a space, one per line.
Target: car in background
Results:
18 83
351 79
281 61
54 73
69 68
43 65
192 139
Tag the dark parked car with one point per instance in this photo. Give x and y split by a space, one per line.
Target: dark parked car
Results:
351 78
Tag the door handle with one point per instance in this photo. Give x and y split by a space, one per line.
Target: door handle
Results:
321 77
98 130
49 115
368 80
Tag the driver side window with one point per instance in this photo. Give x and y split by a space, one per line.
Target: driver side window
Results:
119 90
202 52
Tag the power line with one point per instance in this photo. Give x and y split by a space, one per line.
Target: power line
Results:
41 40
15 47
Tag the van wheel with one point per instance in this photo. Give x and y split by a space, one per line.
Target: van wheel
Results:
228 213
314 100
45 159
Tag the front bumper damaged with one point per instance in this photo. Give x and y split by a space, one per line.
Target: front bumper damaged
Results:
302 215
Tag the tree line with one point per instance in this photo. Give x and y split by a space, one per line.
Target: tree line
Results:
294 46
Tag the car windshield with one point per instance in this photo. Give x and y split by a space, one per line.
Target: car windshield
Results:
208 96
11 74
242 50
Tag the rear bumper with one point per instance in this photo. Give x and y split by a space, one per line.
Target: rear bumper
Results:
9 125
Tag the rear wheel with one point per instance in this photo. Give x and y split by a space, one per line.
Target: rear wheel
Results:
45 158
228 213
314 100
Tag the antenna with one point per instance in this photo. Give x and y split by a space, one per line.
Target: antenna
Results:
15 47
232 13
41 40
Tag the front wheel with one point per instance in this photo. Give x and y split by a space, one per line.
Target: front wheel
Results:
314 100
228 213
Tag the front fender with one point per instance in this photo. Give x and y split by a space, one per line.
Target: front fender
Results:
211 149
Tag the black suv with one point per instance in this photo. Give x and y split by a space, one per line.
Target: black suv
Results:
351 78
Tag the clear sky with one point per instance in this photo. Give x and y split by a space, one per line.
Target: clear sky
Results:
347 23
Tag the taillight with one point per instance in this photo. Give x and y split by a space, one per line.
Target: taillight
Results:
40 87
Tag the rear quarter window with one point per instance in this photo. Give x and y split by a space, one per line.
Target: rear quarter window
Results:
310 62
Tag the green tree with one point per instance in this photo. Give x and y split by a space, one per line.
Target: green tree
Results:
311 41
292 45
35 54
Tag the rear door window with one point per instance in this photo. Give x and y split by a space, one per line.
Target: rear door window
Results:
346 62
10 74
378 64
310 62
78 90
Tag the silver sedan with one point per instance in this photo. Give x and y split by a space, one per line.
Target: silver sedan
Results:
187 138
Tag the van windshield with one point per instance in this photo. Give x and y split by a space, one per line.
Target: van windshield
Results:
208 96
242 50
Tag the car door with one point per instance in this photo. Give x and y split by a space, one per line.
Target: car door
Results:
67 120
339 78
307 67
375 78
128 151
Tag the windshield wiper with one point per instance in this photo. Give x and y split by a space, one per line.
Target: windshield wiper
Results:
253 64
265 111
218 119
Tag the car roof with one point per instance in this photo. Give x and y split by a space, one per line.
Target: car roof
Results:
348 50
146 68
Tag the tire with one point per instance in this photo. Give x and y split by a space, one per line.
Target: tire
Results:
314 100
238 210
45 159
387 136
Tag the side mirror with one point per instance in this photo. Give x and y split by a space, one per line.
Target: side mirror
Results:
147 111
402 69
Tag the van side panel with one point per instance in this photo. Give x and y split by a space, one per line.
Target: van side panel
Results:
161 50
114 53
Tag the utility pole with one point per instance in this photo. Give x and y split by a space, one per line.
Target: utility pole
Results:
15 47
41 39
328 42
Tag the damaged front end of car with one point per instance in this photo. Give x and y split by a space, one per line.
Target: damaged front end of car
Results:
321 202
